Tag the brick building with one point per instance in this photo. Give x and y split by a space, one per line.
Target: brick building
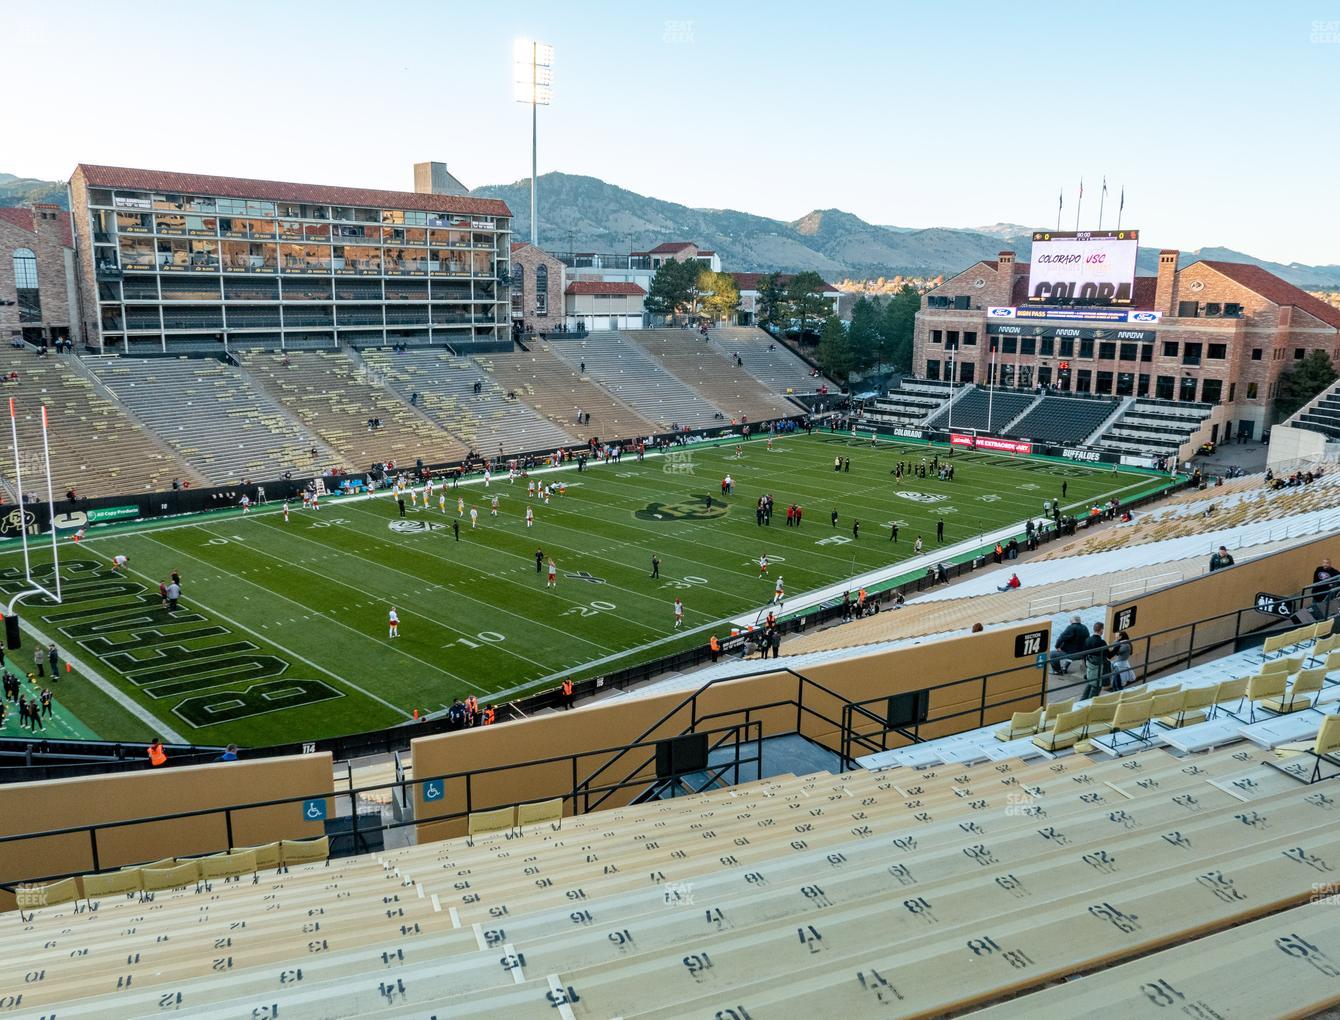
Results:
174 261
537 288
37 292
1217 332
603 304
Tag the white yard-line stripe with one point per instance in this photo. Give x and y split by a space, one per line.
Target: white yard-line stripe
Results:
261 637
389 600
132 706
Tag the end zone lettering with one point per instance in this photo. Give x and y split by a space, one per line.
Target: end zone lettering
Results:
1092 456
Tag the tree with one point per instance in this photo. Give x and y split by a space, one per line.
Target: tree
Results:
771 308
835 349
674 288
721 295
864 334
1298 386
804 295
899 320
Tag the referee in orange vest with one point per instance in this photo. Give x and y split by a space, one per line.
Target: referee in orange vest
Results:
567 694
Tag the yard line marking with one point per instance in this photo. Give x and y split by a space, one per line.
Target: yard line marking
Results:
123 699
301 658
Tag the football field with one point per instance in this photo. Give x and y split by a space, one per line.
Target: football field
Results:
282 630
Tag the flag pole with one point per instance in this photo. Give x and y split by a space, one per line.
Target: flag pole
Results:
1121 206
1060 204
1079 203
1102 199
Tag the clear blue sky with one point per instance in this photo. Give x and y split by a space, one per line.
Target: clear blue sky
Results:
1219 118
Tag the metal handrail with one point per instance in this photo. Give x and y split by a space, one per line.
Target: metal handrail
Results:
691 702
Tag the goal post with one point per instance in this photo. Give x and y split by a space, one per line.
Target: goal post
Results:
34 587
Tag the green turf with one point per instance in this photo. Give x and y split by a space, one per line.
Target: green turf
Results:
282 633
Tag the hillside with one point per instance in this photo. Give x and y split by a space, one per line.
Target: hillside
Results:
587 214
23 190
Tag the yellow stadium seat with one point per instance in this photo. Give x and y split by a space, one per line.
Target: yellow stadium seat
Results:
539 812
1302 692
170 878
112 883
303 851
1021 724
482 822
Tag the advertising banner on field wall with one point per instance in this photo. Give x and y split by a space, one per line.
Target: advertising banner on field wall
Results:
992 443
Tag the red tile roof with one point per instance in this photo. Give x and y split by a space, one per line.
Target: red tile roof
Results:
283 191
751 281
670 247
603 287
23 219
1275 290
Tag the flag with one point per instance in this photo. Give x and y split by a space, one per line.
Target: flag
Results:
1060 200
1122 205
1104 184
1081 187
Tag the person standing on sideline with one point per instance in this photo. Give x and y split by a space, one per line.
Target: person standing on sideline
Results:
679 613
552 581
539 561
39 659
893 531
568 697
917 546
285 511
157 756
940 531
456 528
530 516
855 529
655 566
474 517
400 501
714 646
1064 487
835 515
1221 559
393 624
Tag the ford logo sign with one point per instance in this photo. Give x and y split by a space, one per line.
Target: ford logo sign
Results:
1001 313
1144 317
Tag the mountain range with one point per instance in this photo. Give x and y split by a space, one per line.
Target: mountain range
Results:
587 214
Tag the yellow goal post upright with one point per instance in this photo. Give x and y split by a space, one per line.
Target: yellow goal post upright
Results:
32 585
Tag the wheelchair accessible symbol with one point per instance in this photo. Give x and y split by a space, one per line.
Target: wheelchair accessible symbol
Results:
314 810
434 789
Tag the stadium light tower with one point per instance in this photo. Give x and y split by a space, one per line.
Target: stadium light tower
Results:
533 83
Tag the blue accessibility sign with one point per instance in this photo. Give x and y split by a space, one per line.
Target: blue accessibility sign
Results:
314 810
434 789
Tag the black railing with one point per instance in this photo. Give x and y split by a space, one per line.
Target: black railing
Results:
355 839
858 716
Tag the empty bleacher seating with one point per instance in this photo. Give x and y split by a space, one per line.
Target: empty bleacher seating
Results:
557 390
767 359
970 410
694 360
909 404
488 422
334 398
1323 416
213 416
911 890
1062 419
1155 427
635 378
96 448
